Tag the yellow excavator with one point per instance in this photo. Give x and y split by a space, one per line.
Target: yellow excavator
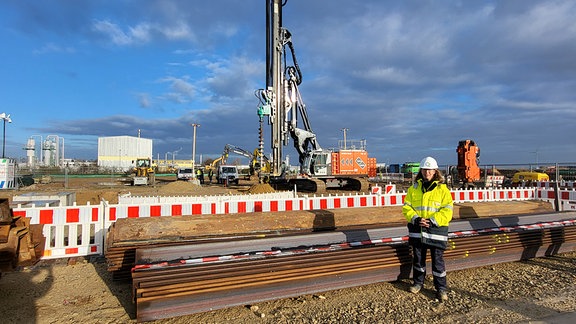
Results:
214 165
259 164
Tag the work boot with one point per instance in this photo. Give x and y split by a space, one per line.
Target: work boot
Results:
442 295
415 288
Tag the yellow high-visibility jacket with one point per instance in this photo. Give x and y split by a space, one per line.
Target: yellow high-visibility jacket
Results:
435 204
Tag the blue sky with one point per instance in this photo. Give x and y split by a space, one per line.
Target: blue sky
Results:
412 78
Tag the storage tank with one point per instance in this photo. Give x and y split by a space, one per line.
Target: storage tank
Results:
49 149
30 152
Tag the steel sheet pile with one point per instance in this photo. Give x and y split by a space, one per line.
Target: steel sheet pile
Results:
184 279
129 234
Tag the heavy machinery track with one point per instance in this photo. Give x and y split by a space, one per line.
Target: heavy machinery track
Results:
307 185
323 185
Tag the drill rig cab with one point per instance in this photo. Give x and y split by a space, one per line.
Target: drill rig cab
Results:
281 103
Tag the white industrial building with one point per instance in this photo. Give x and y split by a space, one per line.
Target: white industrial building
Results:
122 151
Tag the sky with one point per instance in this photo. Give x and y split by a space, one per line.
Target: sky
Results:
412 78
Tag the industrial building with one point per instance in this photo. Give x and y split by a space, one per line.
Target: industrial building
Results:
46 152
120 152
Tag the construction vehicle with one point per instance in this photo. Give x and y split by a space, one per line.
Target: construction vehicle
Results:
143 172
214 164
528 178
410 168
468 170
256 168
282 104
259 165
229 148
185 174
227 174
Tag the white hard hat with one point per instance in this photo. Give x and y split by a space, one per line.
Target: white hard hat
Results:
428 163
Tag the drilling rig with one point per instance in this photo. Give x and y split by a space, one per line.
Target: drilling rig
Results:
281 104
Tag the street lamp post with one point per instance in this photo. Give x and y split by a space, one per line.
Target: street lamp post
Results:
344 130
6 118
194 125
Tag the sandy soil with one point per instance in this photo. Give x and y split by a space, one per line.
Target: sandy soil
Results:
82 291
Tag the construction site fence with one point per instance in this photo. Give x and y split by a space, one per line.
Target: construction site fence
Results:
80 230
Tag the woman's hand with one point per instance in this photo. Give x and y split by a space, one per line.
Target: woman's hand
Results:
424 222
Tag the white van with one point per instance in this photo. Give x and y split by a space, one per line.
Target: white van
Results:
185 174
227 174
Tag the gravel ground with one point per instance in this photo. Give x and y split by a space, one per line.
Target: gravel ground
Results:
529 292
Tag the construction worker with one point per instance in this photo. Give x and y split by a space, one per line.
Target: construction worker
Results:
210 174
428 209
200 175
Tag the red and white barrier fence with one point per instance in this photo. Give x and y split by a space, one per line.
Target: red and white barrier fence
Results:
69 231
80 230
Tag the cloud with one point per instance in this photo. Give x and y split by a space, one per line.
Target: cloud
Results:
233 78
144 100
113 32
142 33
408 76
181 90
54 48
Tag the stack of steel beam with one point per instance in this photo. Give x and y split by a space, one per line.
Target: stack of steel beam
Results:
127 235
178 280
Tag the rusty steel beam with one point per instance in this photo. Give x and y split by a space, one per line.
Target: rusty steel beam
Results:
170 287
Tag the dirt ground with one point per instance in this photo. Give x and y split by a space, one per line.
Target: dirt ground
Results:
81 290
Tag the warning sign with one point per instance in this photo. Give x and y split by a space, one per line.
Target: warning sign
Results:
360 163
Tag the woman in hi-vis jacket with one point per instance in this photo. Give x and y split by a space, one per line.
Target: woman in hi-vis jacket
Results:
428 209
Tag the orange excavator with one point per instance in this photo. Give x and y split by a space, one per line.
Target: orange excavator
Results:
468 170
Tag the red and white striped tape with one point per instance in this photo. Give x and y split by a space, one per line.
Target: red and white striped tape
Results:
333 247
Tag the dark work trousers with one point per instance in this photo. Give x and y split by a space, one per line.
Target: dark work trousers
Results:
419 252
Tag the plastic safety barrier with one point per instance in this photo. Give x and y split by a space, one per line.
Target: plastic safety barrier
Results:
81 230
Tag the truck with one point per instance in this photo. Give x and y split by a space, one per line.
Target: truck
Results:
282 105
227 174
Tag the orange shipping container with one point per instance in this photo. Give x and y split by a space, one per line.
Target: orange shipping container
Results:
351 162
